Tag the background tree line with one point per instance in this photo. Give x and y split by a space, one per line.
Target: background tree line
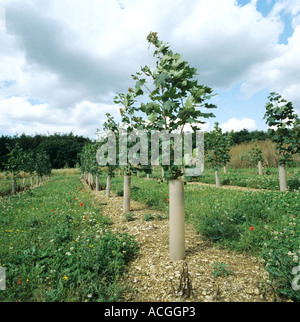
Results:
62 149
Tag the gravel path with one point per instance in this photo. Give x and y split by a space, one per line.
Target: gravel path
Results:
153 277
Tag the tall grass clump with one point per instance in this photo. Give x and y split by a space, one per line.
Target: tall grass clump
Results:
240 157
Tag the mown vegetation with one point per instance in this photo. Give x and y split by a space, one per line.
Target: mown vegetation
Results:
262 223
56 246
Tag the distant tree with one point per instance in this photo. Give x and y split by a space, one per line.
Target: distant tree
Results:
113 128
245 136
218 147
5 146
280 115
62 149
43 165
14 164
30 165
89 165
257 156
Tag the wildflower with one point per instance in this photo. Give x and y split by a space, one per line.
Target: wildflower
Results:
19 283
81 204
68 254
251 228
76 199
65 278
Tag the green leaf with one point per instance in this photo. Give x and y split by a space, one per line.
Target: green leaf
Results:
161 79
168 106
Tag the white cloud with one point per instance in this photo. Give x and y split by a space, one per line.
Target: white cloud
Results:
238 125
19 116
73 56
280 74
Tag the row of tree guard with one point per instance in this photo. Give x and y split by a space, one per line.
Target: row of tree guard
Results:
33 163
168 97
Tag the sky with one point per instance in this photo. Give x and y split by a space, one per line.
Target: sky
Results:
63 61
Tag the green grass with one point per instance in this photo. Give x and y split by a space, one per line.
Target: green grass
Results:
250 178
244 178
56 246
262 223
6 185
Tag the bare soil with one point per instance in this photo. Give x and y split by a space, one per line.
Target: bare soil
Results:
154 277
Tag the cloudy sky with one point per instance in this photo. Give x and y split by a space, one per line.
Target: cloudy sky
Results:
62 61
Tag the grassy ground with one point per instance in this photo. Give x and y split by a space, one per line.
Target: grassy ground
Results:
262 223
55 245
249 178
246 178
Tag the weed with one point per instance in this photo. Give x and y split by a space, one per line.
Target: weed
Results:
129 216
221 270
148 217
